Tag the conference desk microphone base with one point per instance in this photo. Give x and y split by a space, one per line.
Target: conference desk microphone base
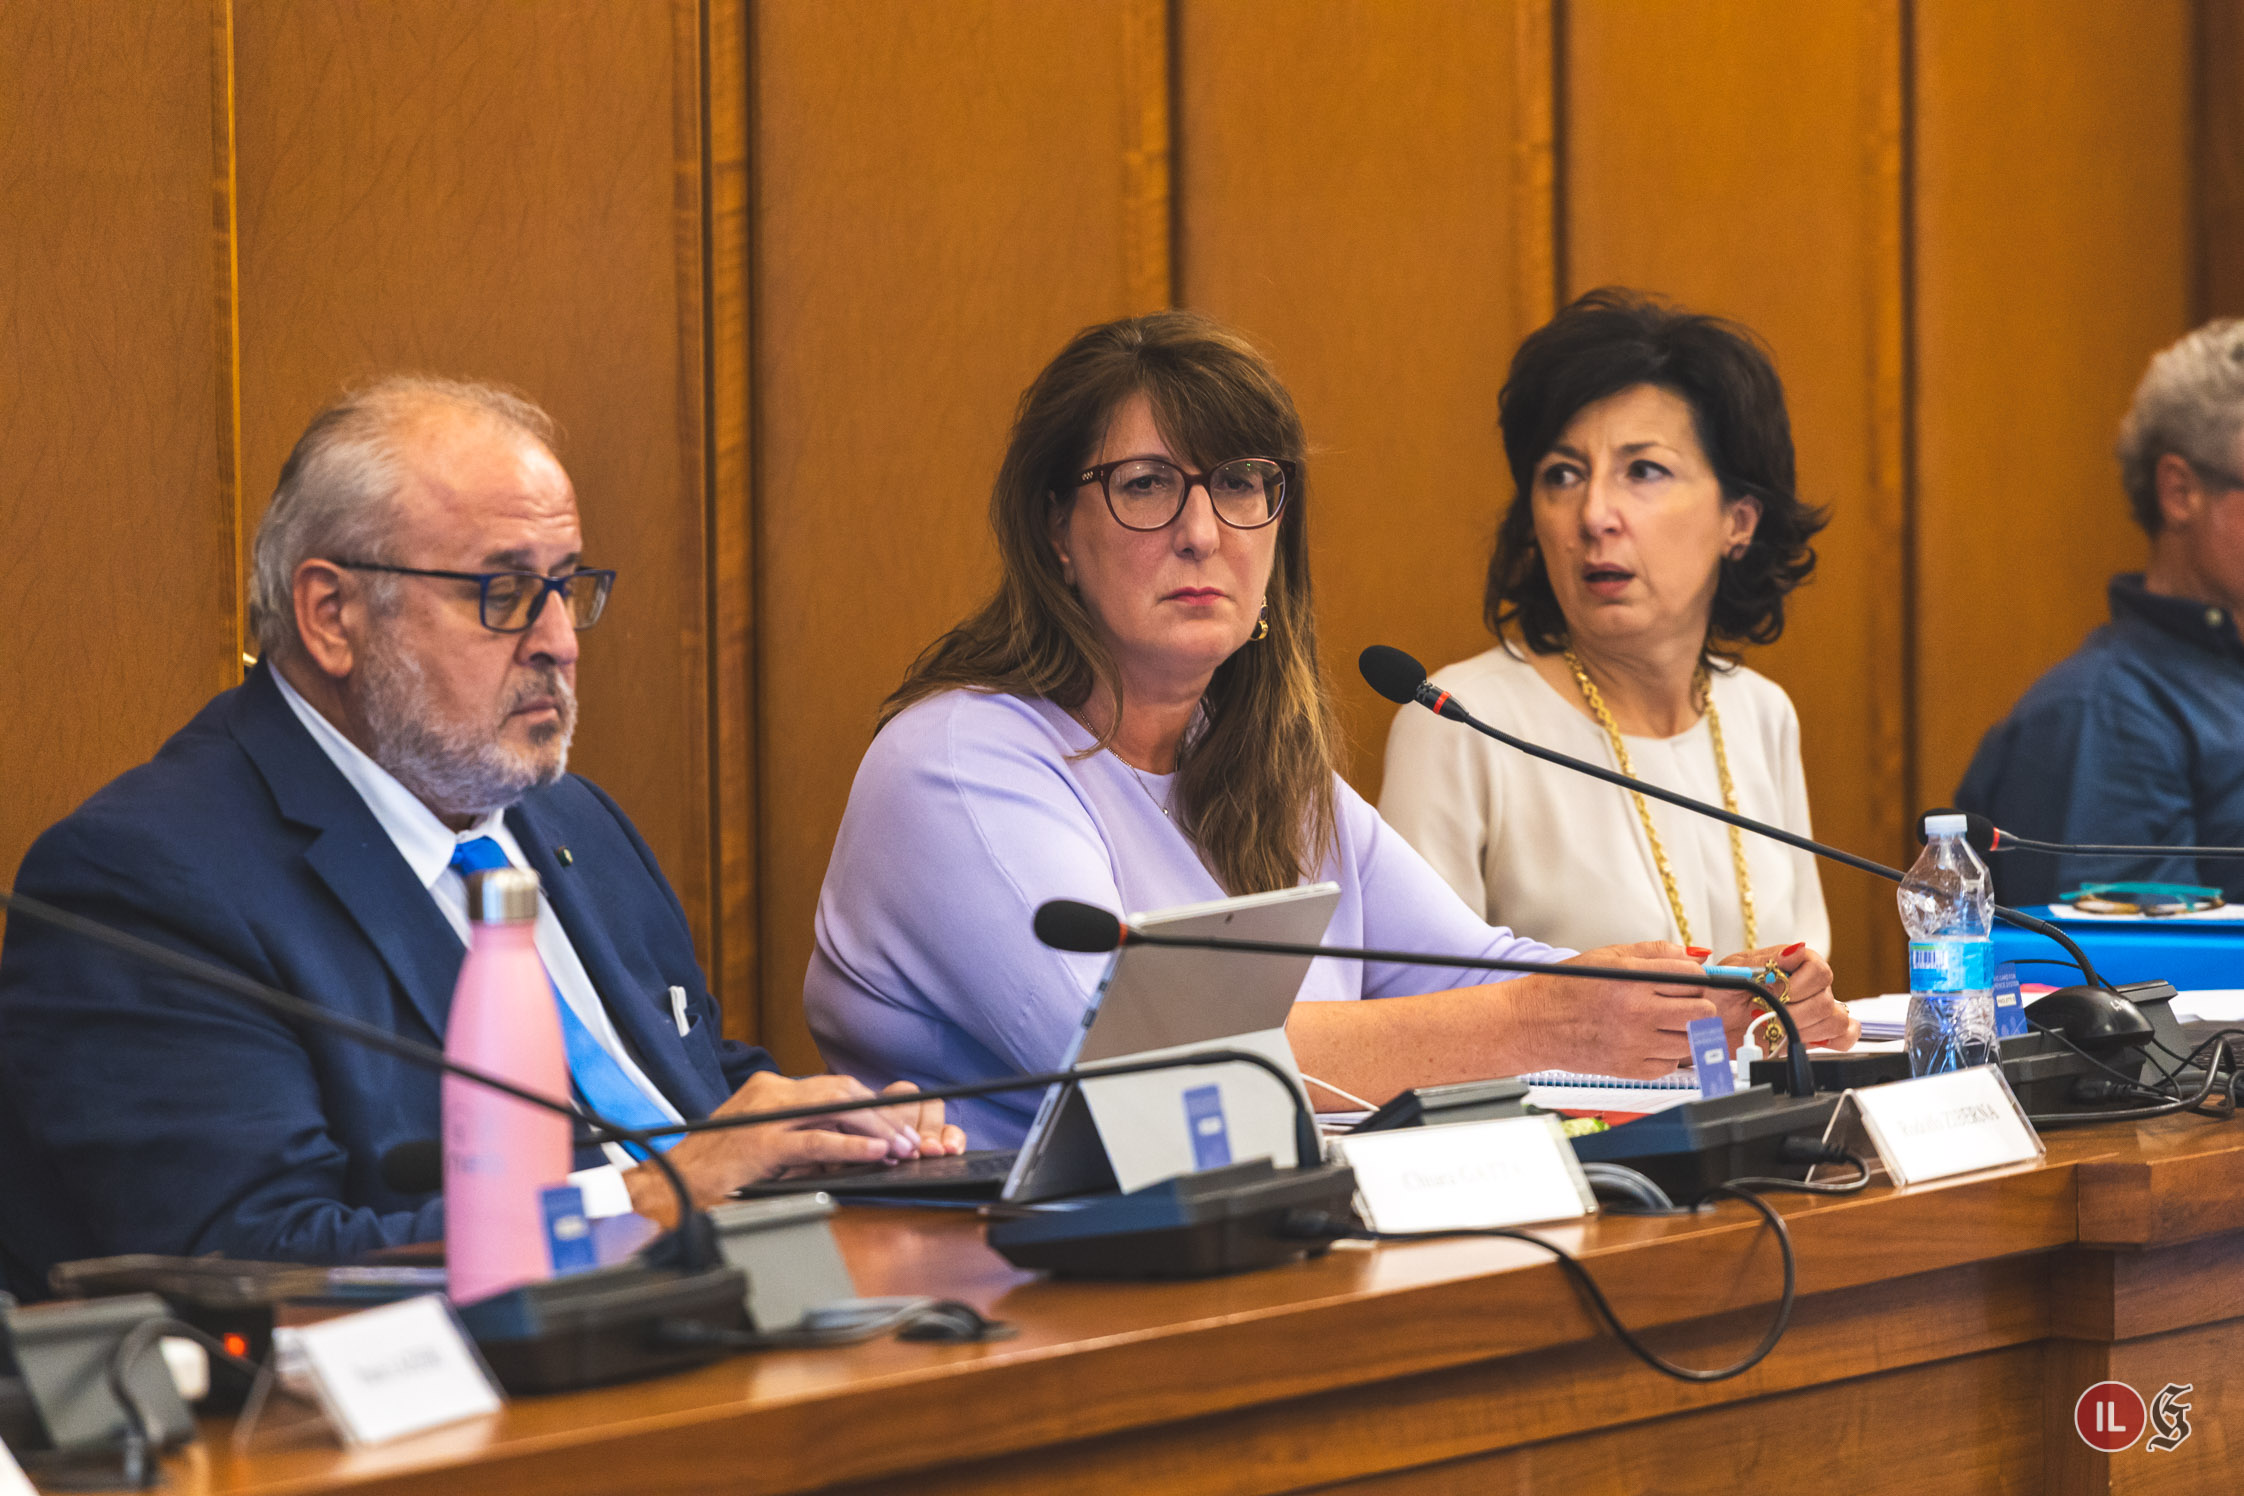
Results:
607 1325
1227 1220
1689 1149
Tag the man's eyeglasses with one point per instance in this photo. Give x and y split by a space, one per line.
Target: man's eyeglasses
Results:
510 601
1148 493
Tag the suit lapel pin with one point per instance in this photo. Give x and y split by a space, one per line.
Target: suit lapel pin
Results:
563 854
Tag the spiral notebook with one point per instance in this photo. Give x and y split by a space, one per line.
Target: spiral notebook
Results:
1680 1080
1618 1095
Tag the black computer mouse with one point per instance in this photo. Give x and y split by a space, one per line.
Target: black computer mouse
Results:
2093 1018
949 1322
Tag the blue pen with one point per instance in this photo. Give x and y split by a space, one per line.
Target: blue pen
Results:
1732 971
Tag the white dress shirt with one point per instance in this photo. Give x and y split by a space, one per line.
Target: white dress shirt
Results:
427 844
1542 848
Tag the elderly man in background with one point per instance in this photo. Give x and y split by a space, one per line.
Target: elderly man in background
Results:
417 596
2138 737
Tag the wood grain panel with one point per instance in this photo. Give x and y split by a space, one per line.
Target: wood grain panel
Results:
2052 257
1441 1431
2219 161
725 422
1745 160
942 200
509 192
1364 188
116 571
1969 1434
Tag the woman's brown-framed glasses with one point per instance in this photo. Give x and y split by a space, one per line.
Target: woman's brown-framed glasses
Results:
1148 493
510 601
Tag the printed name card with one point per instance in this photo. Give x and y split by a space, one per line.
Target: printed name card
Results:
13 1482
384 1373
1459 1175
1936 1126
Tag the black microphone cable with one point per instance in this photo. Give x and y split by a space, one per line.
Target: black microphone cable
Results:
2170 1100
2163 1109
1313 1225
140 1471
691 1246
699 1249
1068 925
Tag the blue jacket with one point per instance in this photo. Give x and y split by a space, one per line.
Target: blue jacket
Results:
143 1112
2136 738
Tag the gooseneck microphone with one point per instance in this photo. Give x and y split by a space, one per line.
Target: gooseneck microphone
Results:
1067 925
409 1162
695 1248
1986 837
1402 680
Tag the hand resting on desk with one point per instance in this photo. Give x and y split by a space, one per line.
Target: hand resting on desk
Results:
715 1164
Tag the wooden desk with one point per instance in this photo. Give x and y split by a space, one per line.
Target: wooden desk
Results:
1941 1339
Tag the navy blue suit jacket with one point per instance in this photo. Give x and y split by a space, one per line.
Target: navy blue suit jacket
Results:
144 1112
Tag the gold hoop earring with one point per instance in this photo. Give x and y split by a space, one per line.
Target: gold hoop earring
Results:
1261 626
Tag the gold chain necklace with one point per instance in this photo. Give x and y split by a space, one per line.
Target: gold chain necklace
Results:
1702 696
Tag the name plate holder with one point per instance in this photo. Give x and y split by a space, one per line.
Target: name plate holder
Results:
370 1377
13 1482
1932 1127
1507 1171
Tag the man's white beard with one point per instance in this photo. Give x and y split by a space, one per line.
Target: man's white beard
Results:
455 770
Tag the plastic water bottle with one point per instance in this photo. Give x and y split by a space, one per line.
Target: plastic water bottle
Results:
500 1154
1947 905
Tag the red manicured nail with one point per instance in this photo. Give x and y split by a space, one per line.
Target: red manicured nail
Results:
1795 948
1698 952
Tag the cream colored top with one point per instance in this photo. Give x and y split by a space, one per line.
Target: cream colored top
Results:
1562 856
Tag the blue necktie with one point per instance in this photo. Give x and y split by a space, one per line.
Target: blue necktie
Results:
597 1076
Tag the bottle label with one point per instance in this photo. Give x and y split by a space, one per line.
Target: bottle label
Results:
1951 965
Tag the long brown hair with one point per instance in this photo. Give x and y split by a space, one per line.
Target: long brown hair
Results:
1254 780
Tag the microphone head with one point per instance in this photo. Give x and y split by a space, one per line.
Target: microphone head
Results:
1978 830
1392 673
415 1168
1066 925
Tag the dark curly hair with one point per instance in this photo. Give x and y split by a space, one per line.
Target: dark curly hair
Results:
1612 340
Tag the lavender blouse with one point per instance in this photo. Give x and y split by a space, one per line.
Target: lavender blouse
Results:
967 813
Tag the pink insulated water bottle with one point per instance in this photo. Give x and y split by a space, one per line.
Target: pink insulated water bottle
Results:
500 1153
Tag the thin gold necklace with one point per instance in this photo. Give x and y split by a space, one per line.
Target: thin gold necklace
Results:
1144 784
1702 696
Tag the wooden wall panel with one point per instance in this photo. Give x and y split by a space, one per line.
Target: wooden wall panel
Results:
2052 257
2218 188
1363 188
117 590
944 195
1963 227
1746 160
509 192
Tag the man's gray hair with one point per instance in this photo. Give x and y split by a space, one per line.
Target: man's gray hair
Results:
336 491
2190 403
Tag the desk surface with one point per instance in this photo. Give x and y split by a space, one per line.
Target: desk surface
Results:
1951 1321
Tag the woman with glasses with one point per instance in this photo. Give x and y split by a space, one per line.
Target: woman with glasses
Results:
1654 529
1136 720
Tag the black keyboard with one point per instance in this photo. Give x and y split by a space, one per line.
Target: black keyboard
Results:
974 1175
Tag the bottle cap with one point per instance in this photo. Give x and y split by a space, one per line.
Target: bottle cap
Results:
505 895
1948 825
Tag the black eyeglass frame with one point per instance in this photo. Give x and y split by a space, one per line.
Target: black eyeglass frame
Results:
1288 472
603 579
